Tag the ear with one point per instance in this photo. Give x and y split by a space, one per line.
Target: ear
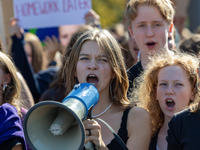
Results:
113 75
131 32
193 95
75 74
7 78
170 28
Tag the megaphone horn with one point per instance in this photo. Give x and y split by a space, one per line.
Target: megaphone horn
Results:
51 125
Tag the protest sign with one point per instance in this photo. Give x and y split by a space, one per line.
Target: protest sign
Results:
50 13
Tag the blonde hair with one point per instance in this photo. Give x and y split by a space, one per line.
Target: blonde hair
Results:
13 89
149 80
164 6
37 51
109 45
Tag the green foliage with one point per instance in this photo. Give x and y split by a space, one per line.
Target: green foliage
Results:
33 31
110 11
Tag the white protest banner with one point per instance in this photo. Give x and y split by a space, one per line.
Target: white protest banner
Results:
50 13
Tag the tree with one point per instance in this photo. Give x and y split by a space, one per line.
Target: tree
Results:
110 11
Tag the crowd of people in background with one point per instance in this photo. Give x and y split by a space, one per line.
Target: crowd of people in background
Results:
146 73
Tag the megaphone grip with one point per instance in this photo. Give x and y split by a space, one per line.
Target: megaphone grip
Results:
90 146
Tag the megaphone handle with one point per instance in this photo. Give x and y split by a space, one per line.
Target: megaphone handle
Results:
89 115
119 140
90 145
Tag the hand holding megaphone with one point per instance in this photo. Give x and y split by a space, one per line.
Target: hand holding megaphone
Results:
93 133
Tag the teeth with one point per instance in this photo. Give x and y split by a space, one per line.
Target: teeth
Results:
92 76
169 101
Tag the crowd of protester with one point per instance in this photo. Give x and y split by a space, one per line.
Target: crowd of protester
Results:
146 73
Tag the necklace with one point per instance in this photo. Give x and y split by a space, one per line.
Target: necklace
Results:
103 112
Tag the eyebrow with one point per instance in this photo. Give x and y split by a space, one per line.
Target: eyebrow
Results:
83 54
160 21
173 80
157 21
